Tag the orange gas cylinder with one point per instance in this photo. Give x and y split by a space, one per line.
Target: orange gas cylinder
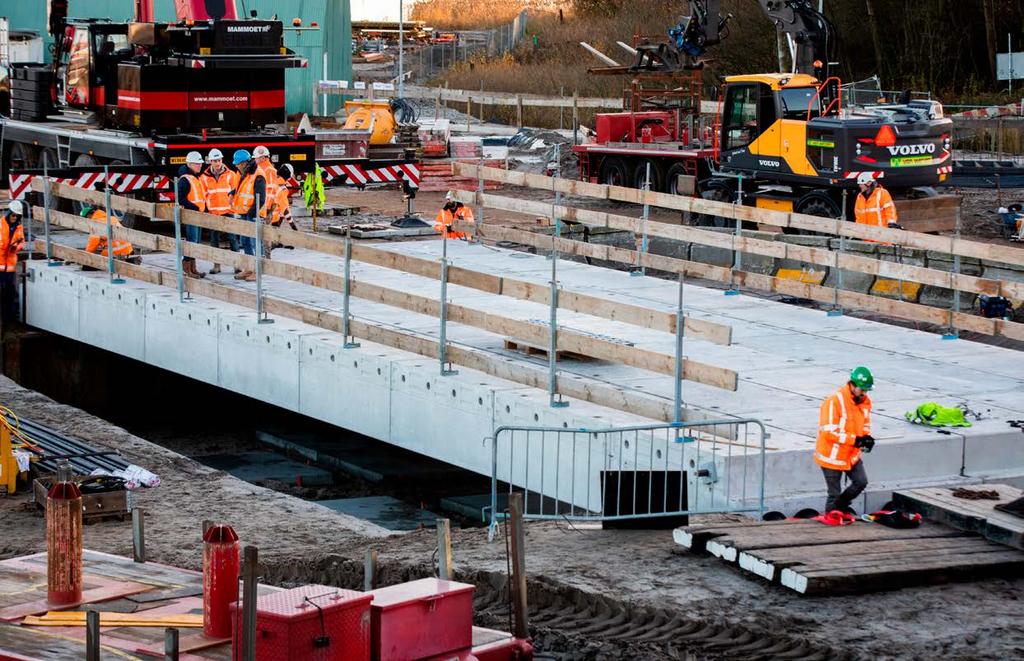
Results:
64 544
220 579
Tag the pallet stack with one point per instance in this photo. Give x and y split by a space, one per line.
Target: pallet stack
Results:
436 175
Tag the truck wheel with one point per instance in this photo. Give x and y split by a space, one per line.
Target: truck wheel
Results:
640 175
22 156
672 178
716 194
818 205
613 172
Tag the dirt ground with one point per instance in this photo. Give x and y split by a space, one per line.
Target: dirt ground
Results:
594 594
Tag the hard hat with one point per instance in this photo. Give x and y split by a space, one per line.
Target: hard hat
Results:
194 157
861 377
260 151
449 197
241 156
286 171
16 207
214 155
865 178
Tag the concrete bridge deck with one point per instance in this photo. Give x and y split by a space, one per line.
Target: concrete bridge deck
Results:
788 358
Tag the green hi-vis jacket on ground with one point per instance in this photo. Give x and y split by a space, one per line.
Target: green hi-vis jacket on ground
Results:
934 415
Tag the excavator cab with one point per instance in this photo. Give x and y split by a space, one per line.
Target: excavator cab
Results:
88 71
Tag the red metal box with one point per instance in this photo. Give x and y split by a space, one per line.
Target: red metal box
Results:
312 622
420 619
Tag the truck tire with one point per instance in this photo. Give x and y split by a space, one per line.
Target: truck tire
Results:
672 178
717 193
818 205
640 175
613 172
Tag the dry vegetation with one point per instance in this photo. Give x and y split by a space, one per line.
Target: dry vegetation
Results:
470 14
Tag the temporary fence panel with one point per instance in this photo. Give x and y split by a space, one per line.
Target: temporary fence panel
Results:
634 472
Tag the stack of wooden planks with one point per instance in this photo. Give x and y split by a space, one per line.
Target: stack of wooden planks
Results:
974 515
814 559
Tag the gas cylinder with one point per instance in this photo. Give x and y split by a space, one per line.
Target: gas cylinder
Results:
685 136
64 544
220 579
646 135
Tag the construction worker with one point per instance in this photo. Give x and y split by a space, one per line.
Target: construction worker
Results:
449 213
219 182
874 205
192 197
282 207
262 157
844 430
12 238
97 243
251 187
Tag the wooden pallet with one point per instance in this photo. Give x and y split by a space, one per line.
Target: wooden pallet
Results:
980 516
534 350
813 559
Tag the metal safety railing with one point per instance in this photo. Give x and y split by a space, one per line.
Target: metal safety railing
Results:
620 473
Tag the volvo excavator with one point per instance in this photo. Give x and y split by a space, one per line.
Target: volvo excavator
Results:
784 141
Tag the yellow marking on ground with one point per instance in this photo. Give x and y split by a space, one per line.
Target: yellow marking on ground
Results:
805 276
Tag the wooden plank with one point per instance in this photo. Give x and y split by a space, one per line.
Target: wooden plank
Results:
765 247
117 202
951 245
864 579
515 371
974 515
818 293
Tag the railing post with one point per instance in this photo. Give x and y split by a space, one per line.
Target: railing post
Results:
677 407
138 534
346 317
640 269
178 257
111 271
556 217
951 333
249 590
47 203
554 397
479 218
92 635
370 570
442 345
171 644
837 309
444 549
261 314
737 254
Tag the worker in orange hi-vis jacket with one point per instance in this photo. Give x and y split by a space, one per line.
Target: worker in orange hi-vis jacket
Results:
874 204
449 213
844 431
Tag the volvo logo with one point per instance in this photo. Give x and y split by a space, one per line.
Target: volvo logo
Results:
911 150
768 164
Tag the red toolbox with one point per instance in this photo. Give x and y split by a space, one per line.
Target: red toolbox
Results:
309 623
421 619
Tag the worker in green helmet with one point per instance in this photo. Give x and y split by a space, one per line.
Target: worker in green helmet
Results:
844 431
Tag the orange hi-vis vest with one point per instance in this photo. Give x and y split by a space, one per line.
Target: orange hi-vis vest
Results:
10 244
840 422
218 190
97 243
445 218
245 196
876 209
270 176
196 192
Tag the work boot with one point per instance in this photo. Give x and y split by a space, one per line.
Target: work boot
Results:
215 270
195 269
240 275
186 268
250 276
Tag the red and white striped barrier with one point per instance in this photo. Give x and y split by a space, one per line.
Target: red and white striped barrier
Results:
357 176
854 175
120 182
991 111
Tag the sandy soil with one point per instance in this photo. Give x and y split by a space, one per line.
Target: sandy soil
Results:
594 594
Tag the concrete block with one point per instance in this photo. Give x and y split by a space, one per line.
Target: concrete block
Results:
168 321
758 264
967 267
657 245
901 255
854 246
792 270
902 290
806 240
52 302
711 255
261 467
113 317
943 298
852 280
260 360
1009 274
385 511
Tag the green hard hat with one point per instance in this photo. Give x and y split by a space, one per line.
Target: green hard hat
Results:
861 377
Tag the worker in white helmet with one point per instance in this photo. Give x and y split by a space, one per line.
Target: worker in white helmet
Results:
452 211
266 168
191 196
874 205
219 184
12 238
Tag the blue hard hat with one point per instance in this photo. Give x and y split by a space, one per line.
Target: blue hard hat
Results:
241 156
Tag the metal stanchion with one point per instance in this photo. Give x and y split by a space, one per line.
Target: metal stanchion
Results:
554 397
249 595
261 314
171 644
47 203
346 329
837 309
178 257
951 333
111 271
737 254
680 324
92 635
480 201
138 534
442 349
639 269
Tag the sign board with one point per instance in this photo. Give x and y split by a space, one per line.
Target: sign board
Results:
386 87
1009 66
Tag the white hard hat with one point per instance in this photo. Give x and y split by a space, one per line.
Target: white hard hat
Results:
260 151
194 157
16 207
214 155
449 197
865 178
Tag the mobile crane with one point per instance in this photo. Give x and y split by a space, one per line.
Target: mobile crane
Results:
783 140
135 97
